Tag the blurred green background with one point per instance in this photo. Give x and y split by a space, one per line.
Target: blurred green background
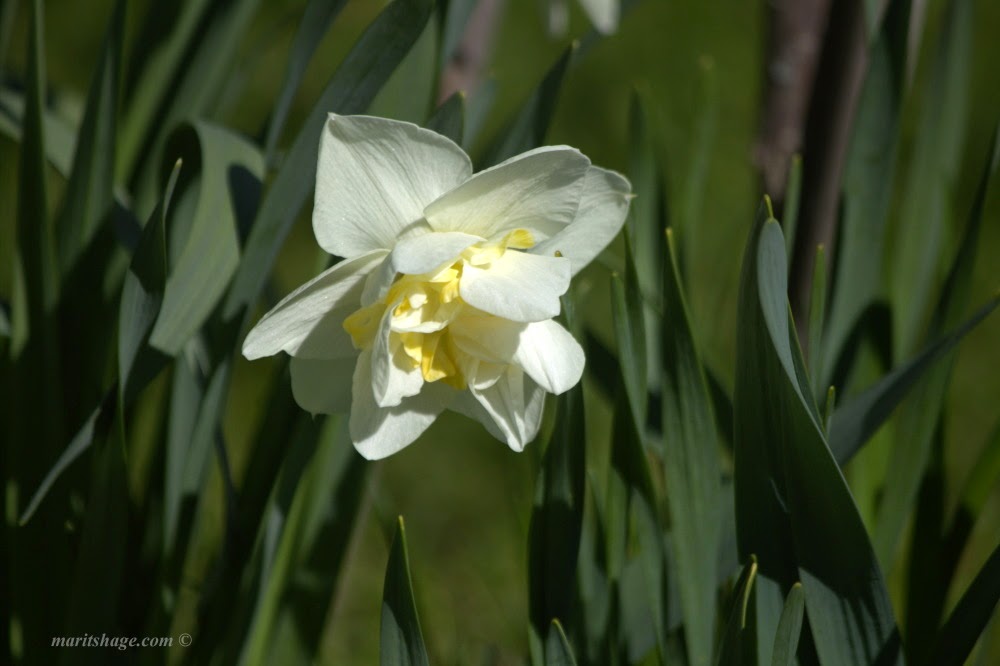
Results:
699 66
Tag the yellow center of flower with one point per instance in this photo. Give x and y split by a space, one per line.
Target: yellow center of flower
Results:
423 306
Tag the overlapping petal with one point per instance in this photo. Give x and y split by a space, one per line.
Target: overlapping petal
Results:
518 286
374 178
394 377
514 404
378 432
550 356
319 303
538 190
603 209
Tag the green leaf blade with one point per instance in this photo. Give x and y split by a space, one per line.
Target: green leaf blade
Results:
401 642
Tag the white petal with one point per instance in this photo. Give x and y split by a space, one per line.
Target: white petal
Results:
381 431
486 337
393 375
603 14
538 190
306 320
550 356
322 386
374 178
603 208
517 286
424 253
515 404
466 405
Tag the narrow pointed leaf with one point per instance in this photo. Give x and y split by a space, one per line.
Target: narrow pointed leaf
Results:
225 191
557 650
401 642
691 466
449 118
317 18
793 506
89 199
350 90
854 423
970 617
736 647
786 640
528 128
142 296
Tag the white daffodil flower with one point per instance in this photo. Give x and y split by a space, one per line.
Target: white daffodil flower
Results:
450 281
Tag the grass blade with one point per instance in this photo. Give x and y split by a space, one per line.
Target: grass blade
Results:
736 647
449 118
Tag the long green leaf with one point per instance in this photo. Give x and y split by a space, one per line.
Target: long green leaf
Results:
926 211
919 416
557 517
858 420
970 617
314 535
142 296
317 18
528 128
89 199
350 90
691 465
226 189
147 99
400 639
793 507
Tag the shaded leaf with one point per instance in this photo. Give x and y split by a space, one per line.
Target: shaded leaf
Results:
691 466
786 639
225 190
89 197
736 646
401 642
970 617
557 650
528 128
350 90
449 118
317 18
793 508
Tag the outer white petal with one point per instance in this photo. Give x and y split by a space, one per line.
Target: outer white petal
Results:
515 405
517 286
322 386
603 208
315 307
538 190
374 178
424 253
393 375
550 355
379 431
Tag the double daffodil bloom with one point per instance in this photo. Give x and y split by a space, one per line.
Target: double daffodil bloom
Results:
449 284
